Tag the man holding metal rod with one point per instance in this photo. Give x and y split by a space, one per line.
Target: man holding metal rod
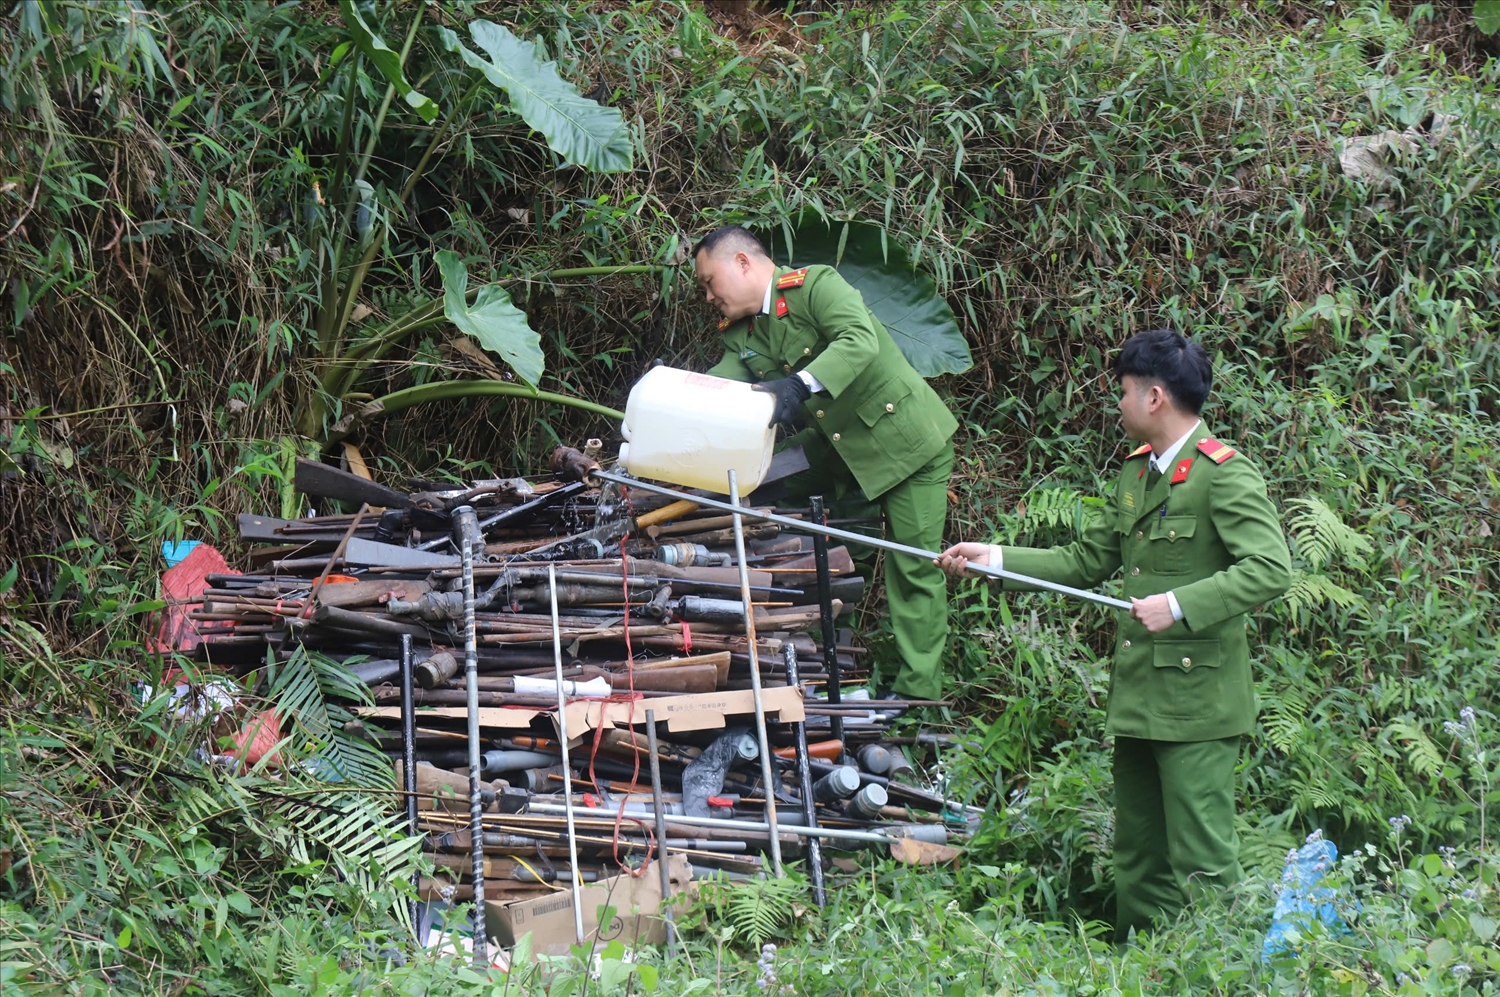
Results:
806 337
1200 545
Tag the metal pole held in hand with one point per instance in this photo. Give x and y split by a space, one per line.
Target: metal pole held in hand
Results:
802 526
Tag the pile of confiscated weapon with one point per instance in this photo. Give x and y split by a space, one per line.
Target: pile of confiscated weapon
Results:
583 673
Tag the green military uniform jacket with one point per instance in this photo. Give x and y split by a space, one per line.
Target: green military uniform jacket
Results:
876 411
1206 532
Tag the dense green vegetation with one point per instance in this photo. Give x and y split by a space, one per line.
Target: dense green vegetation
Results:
199 289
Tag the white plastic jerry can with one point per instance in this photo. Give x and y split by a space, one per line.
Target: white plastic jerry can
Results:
691 429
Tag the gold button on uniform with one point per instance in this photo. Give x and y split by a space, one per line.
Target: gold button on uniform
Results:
835 437
1171 534
1126 645
1187 662
1135 571
786 366
1139 535
806 350
889 407
819 413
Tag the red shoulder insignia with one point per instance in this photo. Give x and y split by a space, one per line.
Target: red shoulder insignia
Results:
1144 448
1216 451
793 278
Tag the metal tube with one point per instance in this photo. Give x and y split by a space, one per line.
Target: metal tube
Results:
804 782
832 833
859 538
562 737
825 606
661 833
409 757
463 520
767 769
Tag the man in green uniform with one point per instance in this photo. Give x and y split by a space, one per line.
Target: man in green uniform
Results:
806 336
1200 545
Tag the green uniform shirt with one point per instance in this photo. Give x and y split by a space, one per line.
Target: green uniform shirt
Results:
1206 532
876 411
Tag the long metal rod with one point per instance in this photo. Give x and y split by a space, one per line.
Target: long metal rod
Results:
825 611
804 782
802 526
409 758
832 833
767 769
661 833
562 737
463 518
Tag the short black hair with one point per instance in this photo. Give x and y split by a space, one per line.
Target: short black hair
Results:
1180 365
732 239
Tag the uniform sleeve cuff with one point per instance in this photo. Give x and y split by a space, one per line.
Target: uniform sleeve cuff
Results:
1176 609
813 384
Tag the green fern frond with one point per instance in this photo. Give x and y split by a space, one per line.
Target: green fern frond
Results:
1320 535
758 910
1284 717
1421 753
301 689
1310 591
1057 508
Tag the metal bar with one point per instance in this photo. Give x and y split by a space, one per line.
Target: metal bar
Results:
562 737
832 833
409 757
825 606
767 770
859 538
471 686
661 833
804 782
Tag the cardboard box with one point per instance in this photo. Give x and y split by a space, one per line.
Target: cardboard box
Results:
636 903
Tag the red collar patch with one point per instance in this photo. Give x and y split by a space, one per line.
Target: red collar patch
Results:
781 308
1180 475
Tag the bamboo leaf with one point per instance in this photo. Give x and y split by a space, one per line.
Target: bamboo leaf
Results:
387 60
498 325
578 129
904 299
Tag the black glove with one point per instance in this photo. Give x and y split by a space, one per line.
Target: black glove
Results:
790 393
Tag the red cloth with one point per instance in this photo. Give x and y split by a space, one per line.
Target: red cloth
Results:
183 581
260 734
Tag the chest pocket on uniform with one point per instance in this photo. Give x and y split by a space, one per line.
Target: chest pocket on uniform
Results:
894 418
885 400
1170 551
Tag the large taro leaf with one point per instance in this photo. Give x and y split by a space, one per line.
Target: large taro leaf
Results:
387 60
1487 16
903 298
583 132
499 325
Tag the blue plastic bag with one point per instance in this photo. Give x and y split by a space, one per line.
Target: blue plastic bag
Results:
1302 899
176 551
